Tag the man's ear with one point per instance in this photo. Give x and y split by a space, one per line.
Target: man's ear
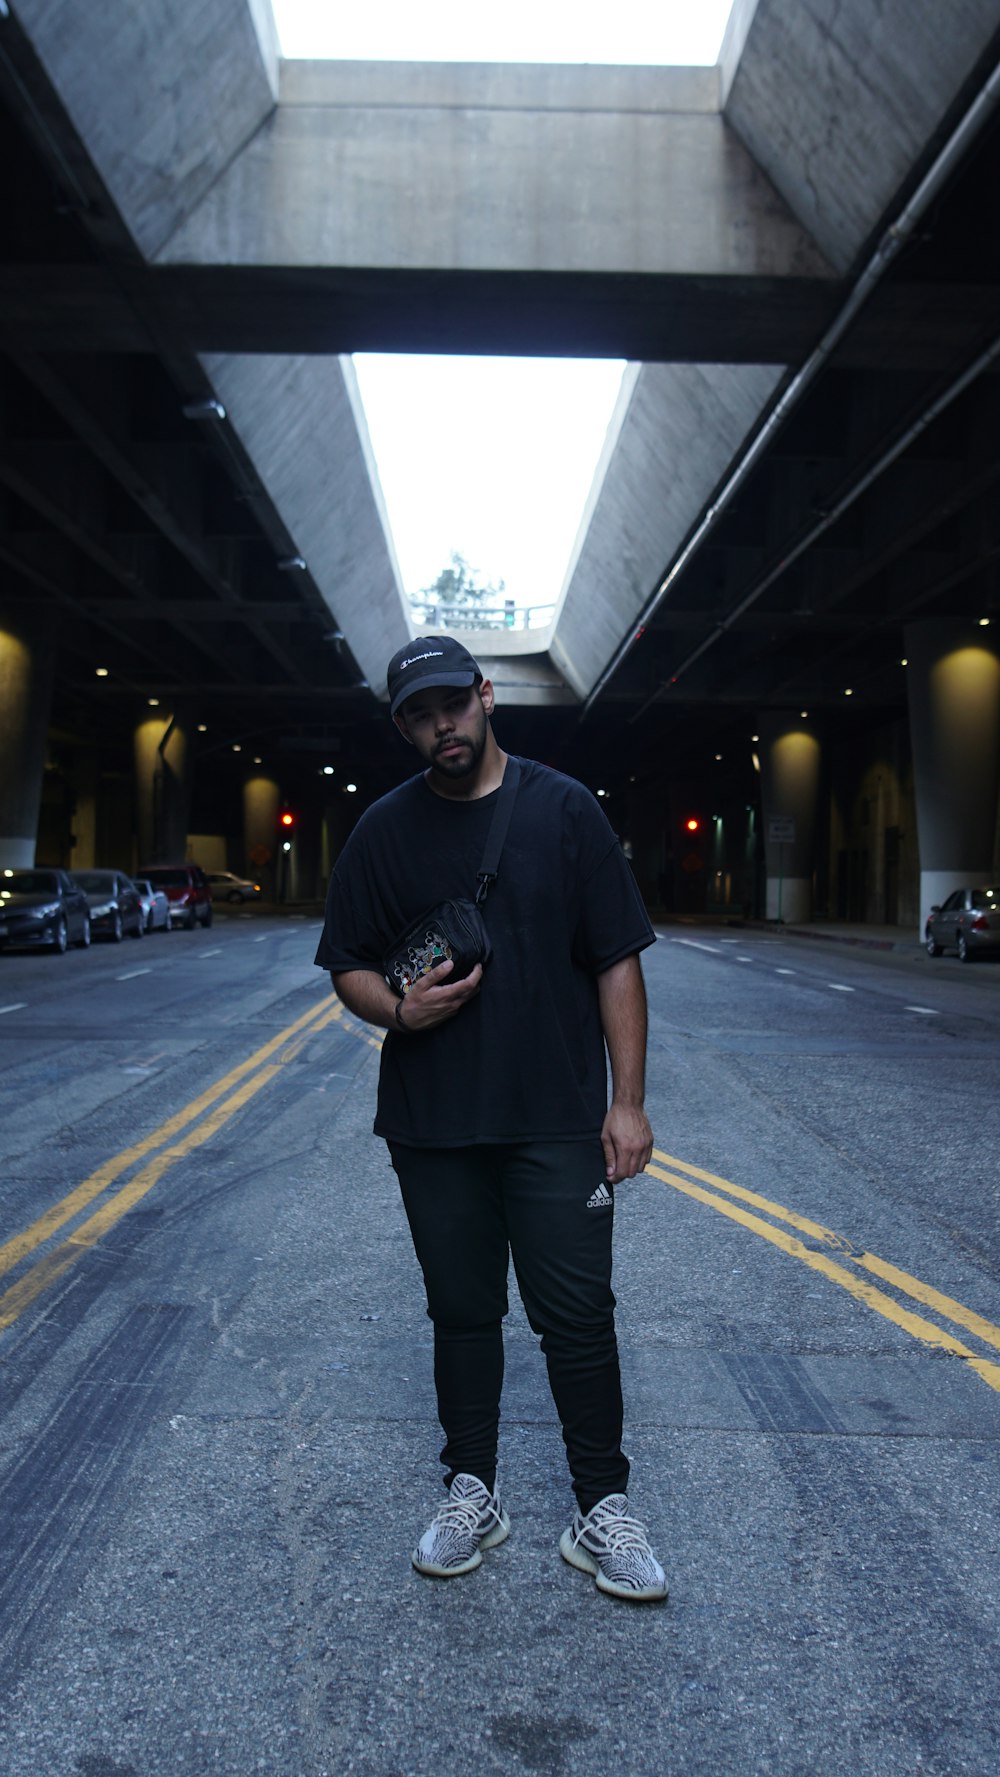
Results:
486 693
399 721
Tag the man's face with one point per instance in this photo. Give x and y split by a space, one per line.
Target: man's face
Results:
448 726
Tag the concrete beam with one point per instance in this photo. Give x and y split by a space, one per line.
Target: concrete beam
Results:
301 423
837 103
674 432
568 170
163 94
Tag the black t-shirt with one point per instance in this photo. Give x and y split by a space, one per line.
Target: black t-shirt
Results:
525 1059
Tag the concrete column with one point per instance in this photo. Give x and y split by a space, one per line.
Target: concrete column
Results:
789 753
26 663
953 688
163 794
261 802
86 780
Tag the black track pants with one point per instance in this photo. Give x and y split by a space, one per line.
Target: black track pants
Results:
548 1205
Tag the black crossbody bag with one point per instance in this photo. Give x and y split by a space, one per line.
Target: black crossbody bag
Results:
455 930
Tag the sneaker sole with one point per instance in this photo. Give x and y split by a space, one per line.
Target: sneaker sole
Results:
577 1556
491 1540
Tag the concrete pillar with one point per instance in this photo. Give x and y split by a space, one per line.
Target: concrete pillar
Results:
261 803
86 781
953 689
26 663
789 753
162 784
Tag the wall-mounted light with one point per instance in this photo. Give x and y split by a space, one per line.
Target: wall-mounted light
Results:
291 564
204 410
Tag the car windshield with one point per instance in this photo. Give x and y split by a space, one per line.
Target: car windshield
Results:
169 878
987 898
29 882
95 882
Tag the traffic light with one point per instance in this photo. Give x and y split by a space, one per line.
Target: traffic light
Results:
286 821
693 824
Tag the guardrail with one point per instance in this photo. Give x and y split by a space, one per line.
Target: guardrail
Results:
505 616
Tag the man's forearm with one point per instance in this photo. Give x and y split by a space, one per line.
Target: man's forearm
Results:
622 999
367 995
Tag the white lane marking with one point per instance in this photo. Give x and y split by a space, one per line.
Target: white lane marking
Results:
18 1006
744 959
784 971
210 953
133 974
264 936
926 1011
713 949
728 940
838 987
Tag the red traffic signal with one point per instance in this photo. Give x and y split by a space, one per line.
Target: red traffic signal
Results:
287 820
692 824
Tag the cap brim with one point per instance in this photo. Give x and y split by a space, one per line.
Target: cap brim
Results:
454 680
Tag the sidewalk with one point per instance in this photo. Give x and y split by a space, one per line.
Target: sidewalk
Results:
834 931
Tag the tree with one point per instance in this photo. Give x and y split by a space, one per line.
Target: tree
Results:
461 598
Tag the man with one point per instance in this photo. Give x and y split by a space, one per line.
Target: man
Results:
493 1096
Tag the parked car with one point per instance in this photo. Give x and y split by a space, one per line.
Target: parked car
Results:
155 906
224 886
968 922
115 907
42 909
186 889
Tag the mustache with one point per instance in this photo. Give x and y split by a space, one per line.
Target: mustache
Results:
454 740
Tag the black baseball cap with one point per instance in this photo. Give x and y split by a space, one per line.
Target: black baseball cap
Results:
427 661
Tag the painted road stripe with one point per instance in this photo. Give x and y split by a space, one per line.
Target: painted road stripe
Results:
18 1006
133 974
744 959
914 1324
838 987
20 1245
264 936
210 953
925 1011
713 949
785 971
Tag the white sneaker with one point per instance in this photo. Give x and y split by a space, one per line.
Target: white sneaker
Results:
472 1520
615 1549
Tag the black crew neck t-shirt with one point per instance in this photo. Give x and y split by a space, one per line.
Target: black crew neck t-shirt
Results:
524 1060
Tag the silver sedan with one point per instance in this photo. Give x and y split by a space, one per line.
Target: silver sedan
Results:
969 922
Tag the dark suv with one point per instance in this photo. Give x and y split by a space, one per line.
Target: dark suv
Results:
186 888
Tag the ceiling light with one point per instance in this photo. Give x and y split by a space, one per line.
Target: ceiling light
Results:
350 788
101 671
984 623
328 771
202 729
258 761
755 738
847 691
153 702
718 758
204 410
236 747
904 661
291 564
804 714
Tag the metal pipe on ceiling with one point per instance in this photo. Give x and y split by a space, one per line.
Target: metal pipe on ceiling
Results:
890 245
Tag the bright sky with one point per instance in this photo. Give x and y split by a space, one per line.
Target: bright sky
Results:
494 457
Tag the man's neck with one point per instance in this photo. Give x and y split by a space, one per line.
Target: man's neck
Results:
487 777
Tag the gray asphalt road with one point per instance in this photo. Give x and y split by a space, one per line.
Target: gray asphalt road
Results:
218 1440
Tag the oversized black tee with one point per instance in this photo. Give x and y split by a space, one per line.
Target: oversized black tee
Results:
524 1060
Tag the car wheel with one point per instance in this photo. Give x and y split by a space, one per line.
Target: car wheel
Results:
117 931
191 920
139 927
60 937
964 950
933 949
85 936
206 922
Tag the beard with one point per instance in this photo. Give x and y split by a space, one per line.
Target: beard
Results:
464 763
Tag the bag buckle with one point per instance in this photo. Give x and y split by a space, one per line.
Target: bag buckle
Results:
486 880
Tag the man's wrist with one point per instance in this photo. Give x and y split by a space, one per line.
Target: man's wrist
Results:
399 1019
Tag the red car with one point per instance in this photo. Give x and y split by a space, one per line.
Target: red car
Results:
186 888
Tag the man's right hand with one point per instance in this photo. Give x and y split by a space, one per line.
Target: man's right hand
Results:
434 999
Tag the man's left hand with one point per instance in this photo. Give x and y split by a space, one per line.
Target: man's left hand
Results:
627 1141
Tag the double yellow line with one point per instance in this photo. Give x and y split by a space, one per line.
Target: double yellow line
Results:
845 1269
201 1119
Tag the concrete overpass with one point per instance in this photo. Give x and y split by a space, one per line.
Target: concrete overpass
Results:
789 248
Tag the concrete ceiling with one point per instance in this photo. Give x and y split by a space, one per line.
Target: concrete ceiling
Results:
153 539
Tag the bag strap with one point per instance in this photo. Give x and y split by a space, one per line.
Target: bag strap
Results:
487 872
